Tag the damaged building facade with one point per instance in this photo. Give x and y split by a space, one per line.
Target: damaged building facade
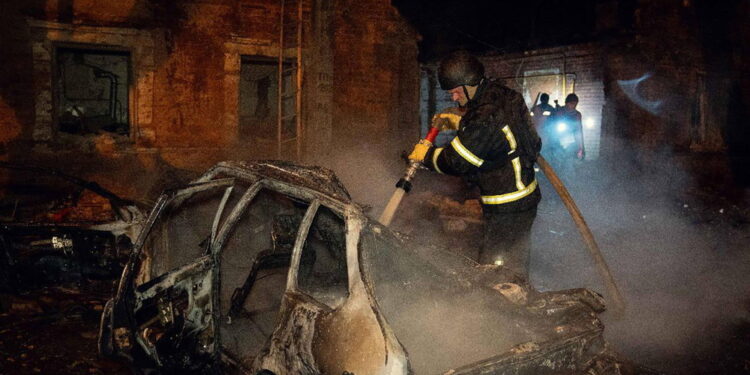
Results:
127 91
138 89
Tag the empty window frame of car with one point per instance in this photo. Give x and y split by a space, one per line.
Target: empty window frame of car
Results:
255 260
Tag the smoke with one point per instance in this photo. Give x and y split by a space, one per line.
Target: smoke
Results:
632 91
442 322
443 330
369 172
676 245
680 262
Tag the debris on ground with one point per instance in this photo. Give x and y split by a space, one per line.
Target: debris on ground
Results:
54 330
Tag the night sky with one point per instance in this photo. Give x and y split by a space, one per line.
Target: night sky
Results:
502 26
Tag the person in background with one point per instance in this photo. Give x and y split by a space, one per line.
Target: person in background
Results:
567 127
540 114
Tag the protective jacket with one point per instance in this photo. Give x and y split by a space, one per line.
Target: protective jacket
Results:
495 148
540 115
542 110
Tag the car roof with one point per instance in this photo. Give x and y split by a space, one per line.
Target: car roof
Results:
319 179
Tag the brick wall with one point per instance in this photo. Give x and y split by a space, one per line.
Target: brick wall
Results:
375 97
664 91
581 65
376 71
185 69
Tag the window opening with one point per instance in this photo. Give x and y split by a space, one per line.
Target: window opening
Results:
258 107
254 266
181 233
536 82
322 272
92 91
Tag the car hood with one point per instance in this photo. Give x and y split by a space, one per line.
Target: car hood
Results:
451 313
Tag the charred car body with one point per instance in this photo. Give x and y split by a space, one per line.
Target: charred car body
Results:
58 238
270 268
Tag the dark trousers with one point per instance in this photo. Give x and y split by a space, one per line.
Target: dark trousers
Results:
507 241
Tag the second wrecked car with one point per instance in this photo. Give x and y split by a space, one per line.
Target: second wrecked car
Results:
270 268
59 229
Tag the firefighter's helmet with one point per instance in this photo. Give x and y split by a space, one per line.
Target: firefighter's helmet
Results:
459 68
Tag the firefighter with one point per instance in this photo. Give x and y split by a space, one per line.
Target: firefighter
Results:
495 148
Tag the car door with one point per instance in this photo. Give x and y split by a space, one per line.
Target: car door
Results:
164 314
327 322
315 285
254 250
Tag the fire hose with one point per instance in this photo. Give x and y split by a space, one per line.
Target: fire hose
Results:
588 237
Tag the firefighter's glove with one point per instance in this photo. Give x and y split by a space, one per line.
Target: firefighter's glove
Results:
448 119
420 150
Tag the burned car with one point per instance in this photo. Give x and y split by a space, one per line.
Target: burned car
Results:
56 228
270 268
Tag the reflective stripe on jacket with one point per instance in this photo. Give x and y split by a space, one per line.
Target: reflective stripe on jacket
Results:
495 148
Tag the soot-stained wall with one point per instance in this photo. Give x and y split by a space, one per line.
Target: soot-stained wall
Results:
360 76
